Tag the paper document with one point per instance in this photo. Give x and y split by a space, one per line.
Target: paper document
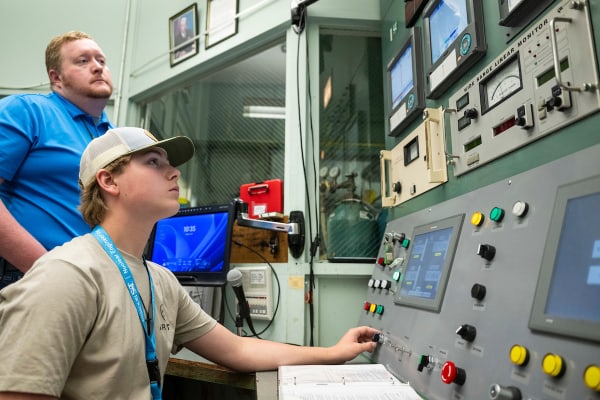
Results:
342 382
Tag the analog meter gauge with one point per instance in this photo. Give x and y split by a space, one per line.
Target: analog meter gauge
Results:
504 82
334 172
323 172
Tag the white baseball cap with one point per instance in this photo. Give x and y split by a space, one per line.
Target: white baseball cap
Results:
118 142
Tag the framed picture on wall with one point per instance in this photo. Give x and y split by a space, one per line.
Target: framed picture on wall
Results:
221 20
183 33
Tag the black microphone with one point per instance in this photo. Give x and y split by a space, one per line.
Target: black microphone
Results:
234 277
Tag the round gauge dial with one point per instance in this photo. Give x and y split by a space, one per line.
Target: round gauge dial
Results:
334 172
503 83
323 172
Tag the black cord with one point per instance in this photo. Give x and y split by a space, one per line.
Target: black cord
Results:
278 290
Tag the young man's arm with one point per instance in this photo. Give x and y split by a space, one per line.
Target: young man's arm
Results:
245 354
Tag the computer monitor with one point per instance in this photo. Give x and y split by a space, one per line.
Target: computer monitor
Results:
405 83
195 244
454 41
568 288
426 274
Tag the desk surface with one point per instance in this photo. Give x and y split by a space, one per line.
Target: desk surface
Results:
212 373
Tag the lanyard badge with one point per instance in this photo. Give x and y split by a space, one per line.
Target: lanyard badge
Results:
146 321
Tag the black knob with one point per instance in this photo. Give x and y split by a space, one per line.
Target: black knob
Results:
555 102
467 332
397 187
478 291
486 251
471 113
423 362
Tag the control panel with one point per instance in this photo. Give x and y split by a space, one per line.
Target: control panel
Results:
543 81
416 164
494 294
257 284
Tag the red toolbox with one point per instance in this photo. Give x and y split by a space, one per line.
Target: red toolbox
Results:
263 197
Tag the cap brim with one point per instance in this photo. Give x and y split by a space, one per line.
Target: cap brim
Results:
180 149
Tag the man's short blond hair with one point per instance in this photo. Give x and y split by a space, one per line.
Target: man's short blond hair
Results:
53 55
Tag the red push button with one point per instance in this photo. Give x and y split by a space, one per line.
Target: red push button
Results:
452 374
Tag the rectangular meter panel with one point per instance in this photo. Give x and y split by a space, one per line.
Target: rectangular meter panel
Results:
542 82
454 41
405 84
416 164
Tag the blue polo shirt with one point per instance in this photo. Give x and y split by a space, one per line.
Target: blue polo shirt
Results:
42 137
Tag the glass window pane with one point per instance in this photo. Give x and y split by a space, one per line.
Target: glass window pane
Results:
351 137
235 118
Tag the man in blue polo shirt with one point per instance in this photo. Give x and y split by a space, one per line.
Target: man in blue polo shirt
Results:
42 138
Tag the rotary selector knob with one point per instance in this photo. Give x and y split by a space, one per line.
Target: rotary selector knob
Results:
425 361
478 291
467 332
397 187
486 251
498 392
471 113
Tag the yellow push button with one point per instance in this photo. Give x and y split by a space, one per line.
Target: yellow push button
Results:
373 308
519 355
553 365
591 377
477 218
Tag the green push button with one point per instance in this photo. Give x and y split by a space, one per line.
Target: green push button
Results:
497 214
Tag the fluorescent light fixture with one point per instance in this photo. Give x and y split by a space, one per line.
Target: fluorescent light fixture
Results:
270 112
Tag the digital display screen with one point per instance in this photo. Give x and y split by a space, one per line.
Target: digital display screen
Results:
575 285
568 288
446 22
426 274
472 144
424 269
549 73
401 76
194 243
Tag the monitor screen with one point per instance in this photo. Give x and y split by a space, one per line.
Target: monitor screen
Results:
401 76
447 20
568 290
194 244
424 279
405 83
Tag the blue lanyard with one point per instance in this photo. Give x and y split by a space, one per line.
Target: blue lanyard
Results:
147 323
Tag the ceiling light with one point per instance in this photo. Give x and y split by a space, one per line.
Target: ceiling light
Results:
270 112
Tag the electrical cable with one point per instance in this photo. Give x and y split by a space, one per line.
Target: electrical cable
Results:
314 242
257 335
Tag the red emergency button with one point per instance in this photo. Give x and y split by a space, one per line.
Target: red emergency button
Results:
366 306
452 374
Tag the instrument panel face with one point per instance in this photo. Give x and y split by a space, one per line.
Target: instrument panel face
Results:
478 341
542 82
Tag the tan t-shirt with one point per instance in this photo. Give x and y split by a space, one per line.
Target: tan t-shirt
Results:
69 327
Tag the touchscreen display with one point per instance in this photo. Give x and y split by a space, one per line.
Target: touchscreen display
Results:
446 22
401 76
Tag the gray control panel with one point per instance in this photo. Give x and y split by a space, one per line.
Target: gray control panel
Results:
466 293
542 82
